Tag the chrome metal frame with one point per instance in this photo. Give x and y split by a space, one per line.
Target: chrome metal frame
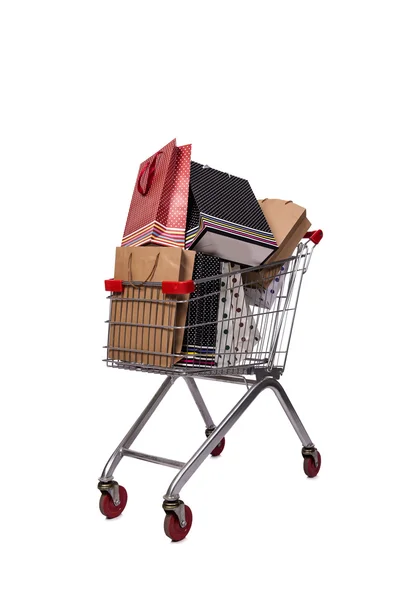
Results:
134 431
261 372
215 434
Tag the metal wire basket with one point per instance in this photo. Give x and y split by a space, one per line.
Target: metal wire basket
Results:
250 320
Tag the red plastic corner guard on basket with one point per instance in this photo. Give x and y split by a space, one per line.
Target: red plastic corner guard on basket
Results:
177 287
113 285
168 287
315 236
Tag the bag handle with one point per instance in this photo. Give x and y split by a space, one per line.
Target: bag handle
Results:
151 167
149 276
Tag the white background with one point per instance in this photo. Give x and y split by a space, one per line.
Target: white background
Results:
301 98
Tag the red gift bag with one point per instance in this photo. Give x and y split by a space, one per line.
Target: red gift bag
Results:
158 210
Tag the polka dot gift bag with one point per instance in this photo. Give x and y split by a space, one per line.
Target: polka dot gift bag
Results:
265 297
201 323
225 219
237 332
158 209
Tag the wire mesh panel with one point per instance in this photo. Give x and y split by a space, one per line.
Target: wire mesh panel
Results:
231 323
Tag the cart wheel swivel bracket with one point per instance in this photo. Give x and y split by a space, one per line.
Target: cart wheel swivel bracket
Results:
177 507
111 488
311 451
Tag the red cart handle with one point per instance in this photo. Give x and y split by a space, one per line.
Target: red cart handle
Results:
315 236
168 287
113 285
177 287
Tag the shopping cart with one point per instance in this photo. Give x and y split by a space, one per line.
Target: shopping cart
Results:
251 333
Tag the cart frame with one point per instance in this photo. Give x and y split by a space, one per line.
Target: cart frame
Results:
258 378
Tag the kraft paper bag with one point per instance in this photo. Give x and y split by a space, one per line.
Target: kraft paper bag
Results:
142 317
289 223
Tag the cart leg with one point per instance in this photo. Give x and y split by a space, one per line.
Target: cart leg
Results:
312 458
205 414
171 498
197 397
292 415
108 471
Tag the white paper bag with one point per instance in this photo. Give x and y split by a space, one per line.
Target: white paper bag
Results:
265 298
237 332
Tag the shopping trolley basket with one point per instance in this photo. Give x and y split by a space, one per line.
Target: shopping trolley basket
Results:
238 327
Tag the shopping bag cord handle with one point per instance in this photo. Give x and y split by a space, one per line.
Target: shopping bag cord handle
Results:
151 167
148 278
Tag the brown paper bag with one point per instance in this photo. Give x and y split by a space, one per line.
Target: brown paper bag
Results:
289 223
146 323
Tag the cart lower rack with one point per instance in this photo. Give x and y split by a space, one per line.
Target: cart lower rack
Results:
238 327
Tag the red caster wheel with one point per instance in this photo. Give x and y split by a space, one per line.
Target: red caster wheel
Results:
107 506
309 466
218 449
172 527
